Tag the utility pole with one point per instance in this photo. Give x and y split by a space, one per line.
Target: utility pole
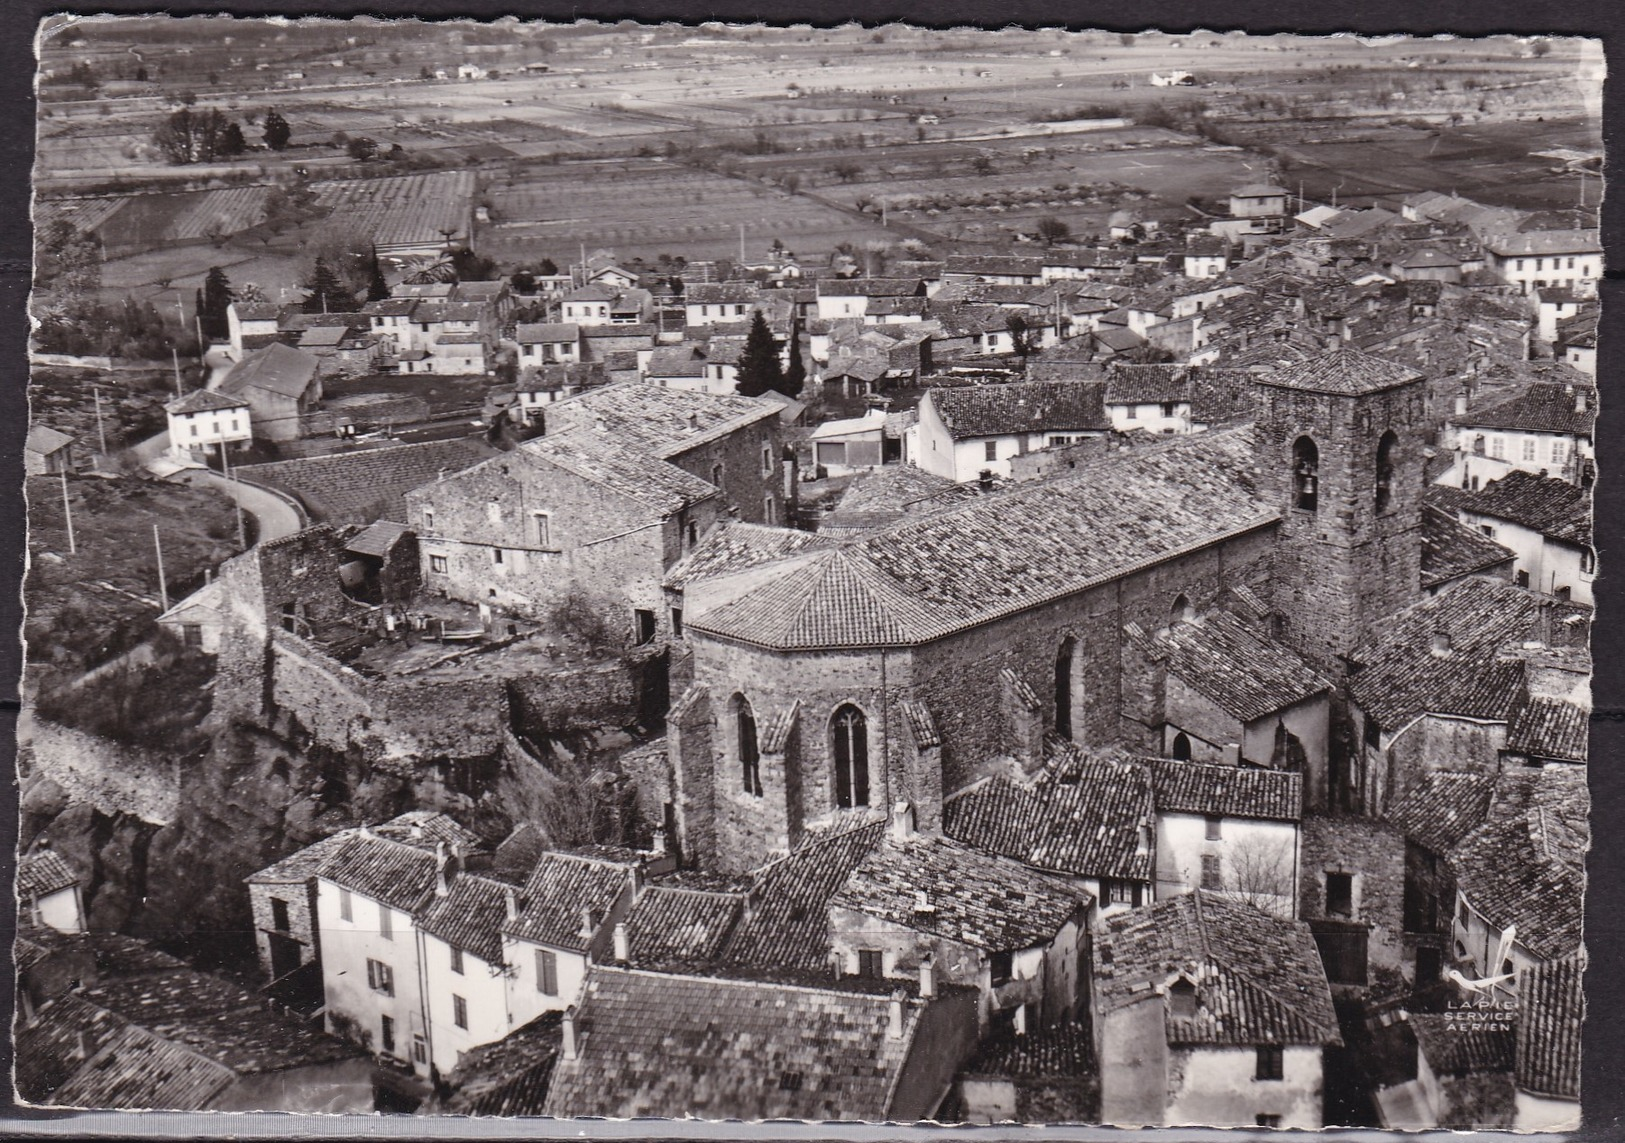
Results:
67 514
101 432
741 244
163 586
236 496
175 355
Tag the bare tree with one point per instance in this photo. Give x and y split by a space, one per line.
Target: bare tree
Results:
1260 873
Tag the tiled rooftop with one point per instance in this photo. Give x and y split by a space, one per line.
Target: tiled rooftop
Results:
470 916
43 872
1554 508
1246 674
1451 549
665 422
969 895
626 471
1258 977
674 928
721 1049
949 571
360 487
1021 407
390 872
1442 808
507 1078
1346 372
138 1071
560 893
1225 791
1540 407
787 925
734 546
1551 1008
1453 1049
276 368
1085 822
1524 864
1551 729
202 401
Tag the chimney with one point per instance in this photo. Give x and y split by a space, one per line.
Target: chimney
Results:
366 830
1579 400
457 854
1232 754
81 1046
589 923
694 421
511 899
601 425
928 979
572 1045
1461 404
623 942
902 821
984 480
440 887
894 1022
417 831
658 844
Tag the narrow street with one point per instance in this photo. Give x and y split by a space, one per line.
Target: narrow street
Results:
275 516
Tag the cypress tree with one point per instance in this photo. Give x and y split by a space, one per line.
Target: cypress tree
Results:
759 368
213 299
377 288
326 294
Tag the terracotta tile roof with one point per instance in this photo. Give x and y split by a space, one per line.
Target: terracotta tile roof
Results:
360 487
1550 729
199 401
1225 791
995 264
712 293
899 488
1342 371
376 539
920 724
1539 242
734 546
1020 407
1063 1050
624 470
1524 864
41 873
559 894
470 916
1246 674
720 1049
389 872
1539 407
1554 508
138 1071
534 333
277 368
507 1078
1083 821
787 922
999 555
676 361
1442 808
1402 676
970 896
1220 396
666 422
1451 549
673 928
1258 977
1147 384
1454 1050
869 287
1551 1008
45 1046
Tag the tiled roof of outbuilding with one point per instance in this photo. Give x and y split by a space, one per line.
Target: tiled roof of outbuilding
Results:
788 924
673 928
203 401
43 872
730 1049
1451 549
1524 864
1442 808
1225 791
970 896
666 422
1540 407
1554 508
1551 1009
1148 384
44 1045
507 1078
1021 407
1550 729
1246 674
735 545
1454 1049
559 892
626 471
138 1071
1087 825
1259 977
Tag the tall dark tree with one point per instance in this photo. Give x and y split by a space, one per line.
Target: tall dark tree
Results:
232 142
795 374
377 287
277 131
213 299
470 267
759 367
325 293
190 136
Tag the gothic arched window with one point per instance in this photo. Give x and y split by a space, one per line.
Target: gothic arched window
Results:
849 730
1063 687
1181 748
1305 474
1385 470
750 753
1182 611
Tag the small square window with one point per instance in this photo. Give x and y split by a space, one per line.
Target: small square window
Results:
437 564
279 914
869 964
496 555
1271 1062
990 450
380 977
1339 894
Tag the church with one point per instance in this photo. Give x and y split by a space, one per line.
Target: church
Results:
1217 580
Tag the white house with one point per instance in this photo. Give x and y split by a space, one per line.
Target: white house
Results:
548 343
602 304
965 431
1571 259
1554 304
251 325
1544 428
1210 1012
851 444
48 892
465 979
1546 522
707 303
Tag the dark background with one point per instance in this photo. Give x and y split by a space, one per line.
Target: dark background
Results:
1604 1069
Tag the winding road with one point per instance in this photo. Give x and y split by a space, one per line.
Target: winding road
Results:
276 517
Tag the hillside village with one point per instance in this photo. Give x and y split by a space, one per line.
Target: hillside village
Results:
1141 680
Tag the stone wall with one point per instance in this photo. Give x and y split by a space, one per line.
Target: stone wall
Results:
113 777
747 483
1374 853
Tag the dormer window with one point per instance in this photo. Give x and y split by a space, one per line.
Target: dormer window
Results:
1305 474
1182 999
